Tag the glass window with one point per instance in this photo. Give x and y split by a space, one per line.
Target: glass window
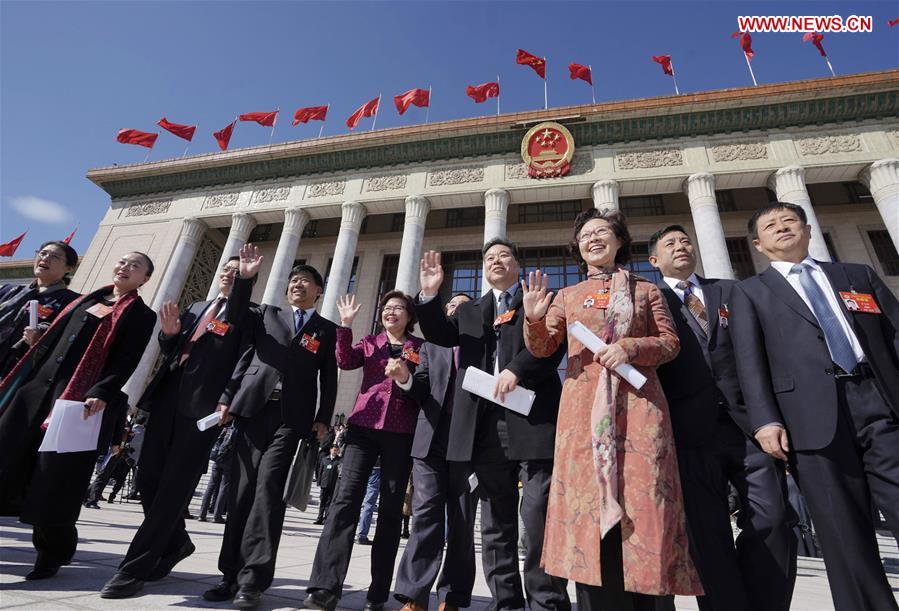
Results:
386 283
725 200
885 251
548 212
311 229
556 261
644 205
351 289
462 273
465 217
640 262
858 193
740 257
831 249
260 233
397 221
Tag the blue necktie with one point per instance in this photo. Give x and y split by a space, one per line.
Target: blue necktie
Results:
298 320
840 349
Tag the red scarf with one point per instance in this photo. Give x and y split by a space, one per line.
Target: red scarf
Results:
90 366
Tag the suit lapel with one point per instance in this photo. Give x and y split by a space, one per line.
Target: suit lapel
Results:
676 305
839 281
783 291
285 316
712 294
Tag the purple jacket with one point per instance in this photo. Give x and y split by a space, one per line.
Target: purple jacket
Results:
381 404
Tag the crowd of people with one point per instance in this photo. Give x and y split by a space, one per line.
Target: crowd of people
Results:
622 482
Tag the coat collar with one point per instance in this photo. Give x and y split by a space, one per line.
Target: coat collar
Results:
775 281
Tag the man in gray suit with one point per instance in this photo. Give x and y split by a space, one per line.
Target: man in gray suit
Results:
442 501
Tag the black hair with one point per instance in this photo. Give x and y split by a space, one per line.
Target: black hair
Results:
307 269
147 260
410 308
619 226
661 233
233 258
501 242
752 225
466 295
70 254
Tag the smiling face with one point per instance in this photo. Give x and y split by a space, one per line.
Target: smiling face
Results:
674 255
302 291
782 236
50 265
227 276
598 243
501 267
395 316
130 272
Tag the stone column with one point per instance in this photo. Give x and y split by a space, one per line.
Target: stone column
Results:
882 180
417 208
496 210
241 226
605 194
700 188
295 219
789 185
192 231
344 251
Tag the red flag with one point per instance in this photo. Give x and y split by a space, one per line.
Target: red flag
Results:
70 236
310 113
745 42
9 248
419 97
480 93
368 109
182 131
266 119
537 63
665 62
816 40
134 136
580 72
893 22
223 137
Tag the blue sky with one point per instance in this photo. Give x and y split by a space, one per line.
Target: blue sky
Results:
73 73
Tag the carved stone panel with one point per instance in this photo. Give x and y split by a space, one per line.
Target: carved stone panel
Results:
652 158
739 151
326 189
581 163
221 200
149 208
828 145
455 176
392 182
271 194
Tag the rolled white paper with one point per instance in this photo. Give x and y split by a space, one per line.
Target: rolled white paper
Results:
587 337
482 384
206 423
472 482
32 313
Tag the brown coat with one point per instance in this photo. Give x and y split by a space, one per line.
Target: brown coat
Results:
656 557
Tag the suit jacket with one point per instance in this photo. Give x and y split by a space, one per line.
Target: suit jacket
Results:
211 360
784 366
702 379
273 353
434 371
471 328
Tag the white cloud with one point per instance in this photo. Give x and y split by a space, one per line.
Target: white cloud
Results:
38 209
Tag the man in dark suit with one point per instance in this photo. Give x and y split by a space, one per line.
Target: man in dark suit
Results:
715 445
442 505
821 387
199 350
503 446
288 368
329 471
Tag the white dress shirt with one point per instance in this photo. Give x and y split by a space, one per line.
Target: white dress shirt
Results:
695 288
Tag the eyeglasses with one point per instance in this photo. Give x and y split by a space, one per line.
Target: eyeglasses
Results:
47 254
602 232
230 270
391 309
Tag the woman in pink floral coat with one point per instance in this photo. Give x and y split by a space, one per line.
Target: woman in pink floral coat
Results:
615 523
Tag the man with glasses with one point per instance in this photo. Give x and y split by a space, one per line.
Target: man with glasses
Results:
200 349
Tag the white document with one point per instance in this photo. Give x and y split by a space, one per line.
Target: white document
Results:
587 337
482 384
32 313
207 422
472 482
69 431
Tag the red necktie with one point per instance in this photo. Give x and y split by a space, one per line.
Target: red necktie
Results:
200 329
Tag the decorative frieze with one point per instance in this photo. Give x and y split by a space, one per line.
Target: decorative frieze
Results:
652 158
221 200
739 151
271 194
455 176
326 189
580 164
149 208
390 182
829 145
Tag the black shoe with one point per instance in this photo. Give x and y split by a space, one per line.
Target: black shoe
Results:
363 541
167 563
320 599
404 534
319 522
121 586
225 590
44 572
111 500
370 606
247 598
219 520
92 505
202 519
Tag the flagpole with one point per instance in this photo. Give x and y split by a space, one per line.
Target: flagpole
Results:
376 113
674 78
428 107
275 122
498 93
545 97
749 65
188 143
592 86
323 123
148 154
827 59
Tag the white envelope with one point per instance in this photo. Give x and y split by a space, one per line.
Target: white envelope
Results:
581 333
207 422
482 384
69 431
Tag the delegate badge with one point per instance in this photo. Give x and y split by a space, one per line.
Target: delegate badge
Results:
218 327
310 343
859 302
723 316
44 312
411 356
99 310
504 318
597 301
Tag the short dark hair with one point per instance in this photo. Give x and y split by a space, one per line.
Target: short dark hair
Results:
619 226
71 256
410 308
753 225
501 242
661 233
147 260
307 269
454 295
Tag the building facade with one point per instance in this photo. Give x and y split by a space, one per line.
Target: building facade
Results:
361 208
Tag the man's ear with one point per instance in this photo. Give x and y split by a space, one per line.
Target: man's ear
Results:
654 261
758 246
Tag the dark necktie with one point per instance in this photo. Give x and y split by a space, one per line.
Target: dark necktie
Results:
502 306
694 304
208 316
837 342
298 318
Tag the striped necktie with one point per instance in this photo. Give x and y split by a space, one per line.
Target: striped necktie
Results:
694 304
